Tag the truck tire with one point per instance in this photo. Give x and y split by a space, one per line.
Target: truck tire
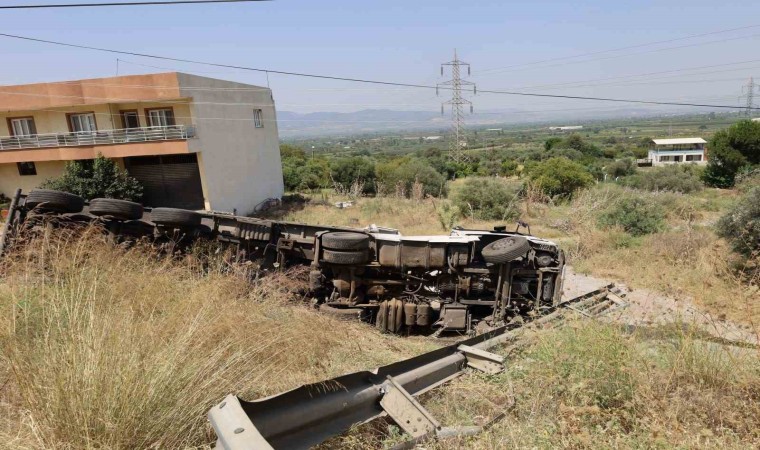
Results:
345 240
56 201
505 250
347 258
118 209
173 217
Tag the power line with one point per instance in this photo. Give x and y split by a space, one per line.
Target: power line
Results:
500 69
150 3
358 80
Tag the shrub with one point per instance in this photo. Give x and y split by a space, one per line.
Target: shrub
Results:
347 171
635 214
488 199
676 178
400 174
741 224
621 168
98 178
731 150
560 177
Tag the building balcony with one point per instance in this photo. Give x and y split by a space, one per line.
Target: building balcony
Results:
92 138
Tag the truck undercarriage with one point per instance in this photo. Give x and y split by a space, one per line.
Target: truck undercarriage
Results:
466 281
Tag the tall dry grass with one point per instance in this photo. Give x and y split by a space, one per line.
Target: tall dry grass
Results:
591 385
107 347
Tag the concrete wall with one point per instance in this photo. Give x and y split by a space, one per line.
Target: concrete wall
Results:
240 164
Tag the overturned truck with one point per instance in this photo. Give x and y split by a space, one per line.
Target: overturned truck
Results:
463 282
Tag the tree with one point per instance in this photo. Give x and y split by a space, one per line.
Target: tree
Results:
731 150
560 176
98 178
346 171
404 172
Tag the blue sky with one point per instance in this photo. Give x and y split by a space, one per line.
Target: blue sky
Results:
406 41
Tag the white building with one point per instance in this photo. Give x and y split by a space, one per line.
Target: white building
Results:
679 150
192 142
567 128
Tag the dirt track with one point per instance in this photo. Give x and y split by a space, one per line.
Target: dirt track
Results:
648 308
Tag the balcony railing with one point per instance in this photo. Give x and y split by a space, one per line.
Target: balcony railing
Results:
104 137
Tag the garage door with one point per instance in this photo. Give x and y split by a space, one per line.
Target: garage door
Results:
172 180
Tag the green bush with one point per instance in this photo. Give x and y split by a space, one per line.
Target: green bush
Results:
559 177
635 214
488 199
741 224
402 173
98 178
346 171
731 150
683 178
621 168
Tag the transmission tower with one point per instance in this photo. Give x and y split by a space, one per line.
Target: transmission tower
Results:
457 103
748 91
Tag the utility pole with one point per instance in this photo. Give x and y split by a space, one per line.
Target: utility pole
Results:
457 103
748 91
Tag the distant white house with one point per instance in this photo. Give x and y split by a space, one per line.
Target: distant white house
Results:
679 150
567 128
756 119
432 138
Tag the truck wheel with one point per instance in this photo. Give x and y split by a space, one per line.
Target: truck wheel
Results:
345 240
505 250
56 201
348 258
118 209
174 217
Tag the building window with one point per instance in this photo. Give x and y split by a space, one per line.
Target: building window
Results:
130 119
163 117
83 122
22 127
258 118
693 158
26 168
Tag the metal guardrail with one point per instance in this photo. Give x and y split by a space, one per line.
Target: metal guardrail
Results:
104 137
308 415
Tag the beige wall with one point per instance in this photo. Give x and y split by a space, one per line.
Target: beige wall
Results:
10 180
240 164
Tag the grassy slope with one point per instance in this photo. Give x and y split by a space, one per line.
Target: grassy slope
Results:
106 348
588 385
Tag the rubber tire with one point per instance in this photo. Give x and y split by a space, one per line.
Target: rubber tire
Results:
118 209
345 240
342 313
57 201
346 258
505 250
180 218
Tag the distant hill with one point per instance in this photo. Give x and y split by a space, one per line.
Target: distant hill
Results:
293 124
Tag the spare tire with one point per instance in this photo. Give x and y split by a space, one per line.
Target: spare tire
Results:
505 250
348 258
119 209
56 201
345 240
174 217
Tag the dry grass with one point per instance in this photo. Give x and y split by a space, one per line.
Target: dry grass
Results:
106 348
589 385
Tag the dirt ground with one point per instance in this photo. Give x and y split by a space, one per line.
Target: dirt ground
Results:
650 308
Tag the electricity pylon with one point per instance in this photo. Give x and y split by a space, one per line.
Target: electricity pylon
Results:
457 103
748 91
